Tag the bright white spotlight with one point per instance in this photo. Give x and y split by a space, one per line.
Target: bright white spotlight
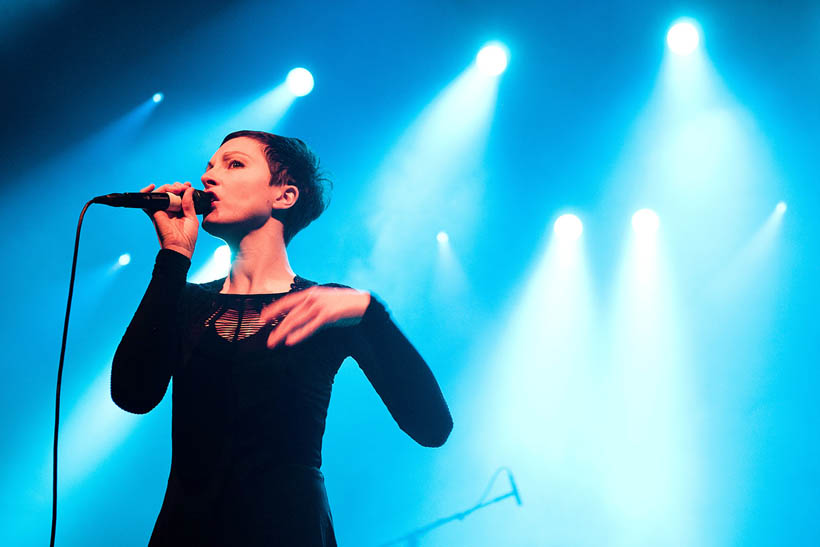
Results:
781 207
124 259
442 237
300 81
683 37
568 227
492 59
223 255
645 222
158 97
217 266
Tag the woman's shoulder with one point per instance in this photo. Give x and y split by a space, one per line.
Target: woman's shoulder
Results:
212 287
336 285
301 283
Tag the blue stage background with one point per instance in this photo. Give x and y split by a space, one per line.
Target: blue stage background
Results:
641 395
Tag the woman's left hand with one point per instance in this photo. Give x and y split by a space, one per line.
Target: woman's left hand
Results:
308 311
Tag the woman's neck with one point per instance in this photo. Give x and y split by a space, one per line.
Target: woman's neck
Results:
260 263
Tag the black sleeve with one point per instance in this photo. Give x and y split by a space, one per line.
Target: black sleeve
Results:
401 377
145 358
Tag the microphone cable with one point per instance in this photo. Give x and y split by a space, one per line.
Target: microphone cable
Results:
60 376
154 201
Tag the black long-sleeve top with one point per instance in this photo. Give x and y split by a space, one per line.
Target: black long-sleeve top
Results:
248 421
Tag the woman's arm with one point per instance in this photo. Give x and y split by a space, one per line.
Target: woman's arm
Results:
391 363
148 351
401 377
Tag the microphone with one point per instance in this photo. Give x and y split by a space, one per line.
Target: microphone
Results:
156 201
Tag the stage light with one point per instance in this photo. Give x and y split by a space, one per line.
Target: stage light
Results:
492 59
683 37
645 222
449 138
442 237
223 254
781 207
124 259
568 227
158 97
300 81
219 265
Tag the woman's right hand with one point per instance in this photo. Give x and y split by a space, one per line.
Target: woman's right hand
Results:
176 231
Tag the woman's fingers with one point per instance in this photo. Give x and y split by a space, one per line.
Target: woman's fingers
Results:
188 202
282 306
309 311
149 188
175 230
175 188
305 331
295 319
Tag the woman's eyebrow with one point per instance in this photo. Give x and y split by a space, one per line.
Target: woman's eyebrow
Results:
234 152
225 156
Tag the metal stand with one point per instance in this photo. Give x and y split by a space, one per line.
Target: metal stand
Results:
412 538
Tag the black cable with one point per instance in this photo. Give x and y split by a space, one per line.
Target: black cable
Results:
60 377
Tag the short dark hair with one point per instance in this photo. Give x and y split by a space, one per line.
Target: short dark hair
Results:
291 162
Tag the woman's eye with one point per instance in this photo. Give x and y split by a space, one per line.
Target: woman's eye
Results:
235 163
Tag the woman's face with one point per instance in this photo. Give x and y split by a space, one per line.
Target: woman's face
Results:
238 178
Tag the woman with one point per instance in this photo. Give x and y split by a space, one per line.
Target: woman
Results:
253 357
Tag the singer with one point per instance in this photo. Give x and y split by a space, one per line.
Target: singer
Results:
253 357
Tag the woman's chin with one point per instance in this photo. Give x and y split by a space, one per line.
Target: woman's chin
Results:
229 228
210 223
221 228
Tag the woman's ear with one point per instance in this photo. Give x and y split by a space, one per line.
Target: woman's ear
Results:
286 196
